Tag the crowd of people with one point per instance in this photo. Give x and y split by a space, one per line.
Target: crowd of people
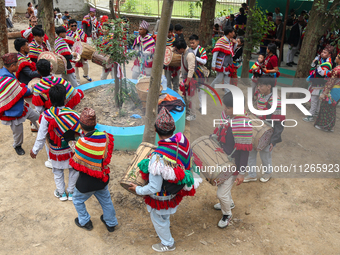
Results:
72 141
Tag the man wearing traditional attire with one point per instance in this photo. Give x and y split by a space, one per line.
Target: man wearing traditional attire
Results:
264 102
91 25
26 69
168 172
38 45
321 69
92 156
79 35
144 44
13 109
59 125
27 34
171 73
236 140
62 48
223 54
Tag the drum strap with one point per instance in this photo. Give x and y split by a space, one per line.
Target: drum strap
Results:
229 156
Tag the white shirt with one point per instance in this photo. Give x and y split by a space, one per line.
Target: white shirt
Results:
36 12
199 60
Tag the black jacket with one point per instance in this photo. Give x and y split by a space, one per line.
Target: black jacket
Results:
26 75
295 35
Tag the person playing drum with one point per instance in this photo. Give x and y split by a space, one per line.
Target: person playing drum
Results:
170 178
171 73
264 102
62 48
145 45
38 45
92 156
79 35
236 140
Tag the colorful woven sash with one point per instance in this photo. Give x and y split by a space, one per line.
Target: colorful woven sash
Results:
202 52
61 47
36 49
242 132
93 154
10 93
170 41
225 46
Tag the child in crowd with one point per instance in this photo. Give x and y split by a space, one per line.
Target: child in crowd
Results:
179 32
265 102
93 153
237 59
59 125
257 72
216 34
236 141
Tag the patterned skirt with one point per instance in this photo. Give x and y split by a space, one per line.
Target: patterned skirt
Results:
327 116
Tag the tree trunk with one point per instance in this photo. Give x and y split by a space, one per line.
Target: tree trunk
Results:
112 9
116 93
41 12
3 31
156 73
207 22
318 24
247 49
48 21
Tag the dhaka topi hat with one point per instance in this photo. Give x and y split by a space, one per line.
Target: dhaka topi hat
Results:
144 25
165 121
10 58
88 117
92 9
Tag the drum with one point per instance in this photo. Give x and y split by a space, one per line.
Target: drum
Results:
211 161
102 60
133 175
33 82
77 47
58 62
262 132
171 58
88 51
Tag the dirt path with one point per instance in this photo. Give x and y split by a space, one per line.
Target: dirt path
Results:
284 216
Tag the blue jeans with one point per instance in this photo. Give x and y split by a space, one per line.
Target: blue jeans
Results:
104 198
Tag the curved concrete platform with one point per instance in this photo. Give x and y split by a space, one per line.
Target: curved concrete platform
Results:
129 138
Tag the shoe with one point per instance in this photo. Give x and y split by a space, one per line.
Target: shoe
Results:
88 226
110 229
190 117
323 129
48 163
70 195
224 222
265 178
62 197
87 78
292 63
162 248
289 64
308 119
249 179
218 206
33 128
20 151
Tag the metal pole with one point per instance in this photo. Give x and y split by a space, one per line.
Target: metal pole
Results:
283 33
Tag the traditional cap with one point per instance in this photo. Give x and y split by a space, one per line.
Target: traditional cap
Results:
88 117
104 18
329 48
92 9
165 121
10 58
59 14
144 25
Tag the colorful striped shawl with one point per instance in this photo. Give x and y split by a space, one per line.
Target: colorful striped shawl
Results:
24 61
242 132
36 49
170 41
224 45
60 121
61 47
262 104
93 154
168 148
10 93
202 52
42 88
78 35
147 43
